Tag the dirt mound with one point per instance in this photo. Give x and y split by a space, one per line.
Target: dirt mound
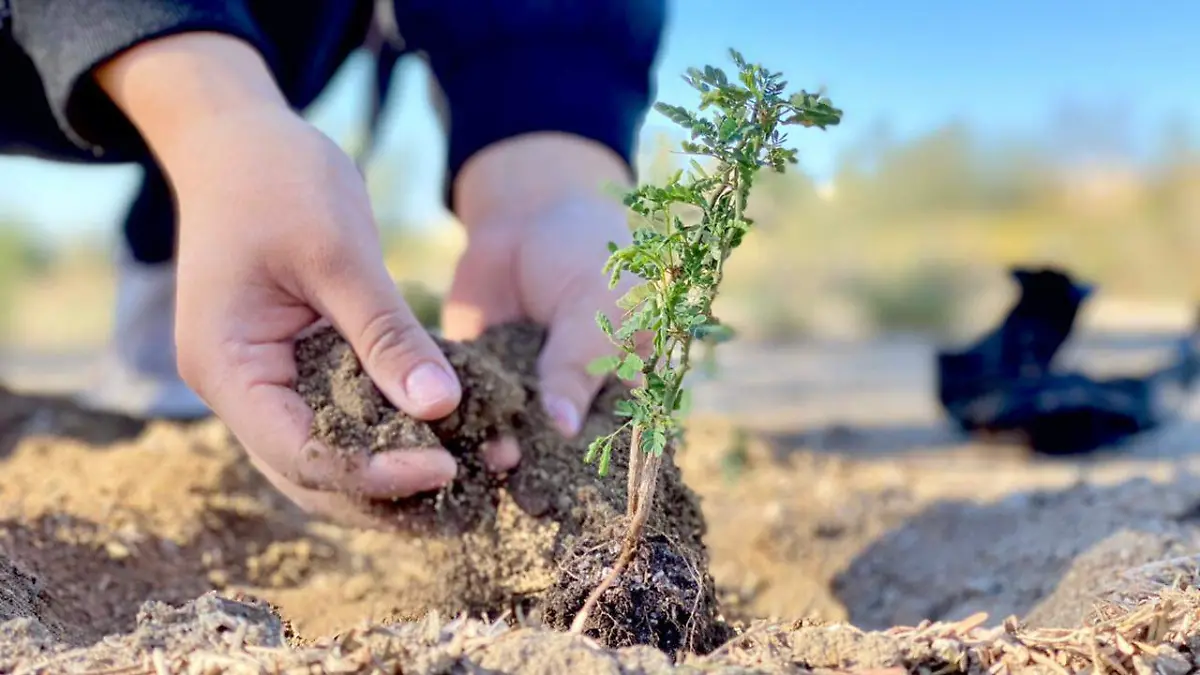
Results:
22 416
538 542
114 533
1155 634
1063 543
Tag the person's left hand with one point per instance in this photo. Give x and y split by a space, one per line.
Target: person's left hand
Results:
539 224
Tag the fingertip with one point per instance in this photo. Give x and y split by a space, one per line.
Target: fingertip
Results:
403 473
565 414
432 390
568 388
502 454
396 351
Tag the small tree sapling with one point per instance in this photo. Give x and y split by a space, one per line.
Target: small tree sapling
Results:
688 227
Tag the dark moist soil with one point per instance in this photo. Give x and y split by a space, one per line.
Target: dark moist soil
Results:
537 541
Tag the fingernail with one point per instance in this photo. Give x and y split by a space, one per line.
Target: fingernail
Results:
429 385
564 414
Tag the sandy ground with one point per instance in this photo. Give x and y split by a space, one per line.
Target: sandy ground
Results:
831 489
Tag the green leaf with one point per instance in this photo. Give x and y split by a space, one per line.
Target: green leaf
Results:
603 365
605 324
635 296
630 367
605 459
615 277
729 127
683 404
655 442
595 448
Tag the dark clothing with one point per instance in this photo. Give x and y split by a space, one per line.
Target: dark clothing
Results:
149 227
506 67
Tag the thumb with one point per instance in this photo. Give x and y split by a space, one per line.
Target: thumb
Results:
568 388
397 353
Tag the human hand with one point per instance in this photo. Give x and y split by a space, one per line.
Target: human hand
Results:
538 225
276 233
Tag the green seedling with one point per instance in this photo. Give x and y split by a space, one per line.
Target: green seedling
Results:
685 232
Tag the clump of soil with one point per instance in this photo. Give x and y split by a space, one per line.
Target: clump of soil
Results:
537 541
208 622
351 417
29 621
655 603
22 596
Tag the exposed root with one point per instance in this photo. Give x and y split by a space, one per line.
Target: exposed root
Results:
628 548
643 481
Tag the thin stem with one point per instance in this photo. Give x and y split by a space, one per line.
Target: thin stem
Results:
739 212
649 484
685 364
635 469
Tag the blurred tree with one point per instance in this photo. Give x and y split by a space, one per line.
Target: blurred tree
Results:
1014 175
21 257
936 172
1174 187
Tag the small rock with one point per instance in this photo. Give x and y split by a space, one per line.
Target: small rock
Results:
116 550
218 578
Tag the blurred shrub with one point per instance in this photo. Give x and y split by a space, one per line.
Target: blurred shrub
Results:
20 258
425 304
768 316
923 299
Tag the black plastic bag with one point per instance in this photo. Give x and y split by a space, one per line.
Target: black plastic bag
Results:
1006 383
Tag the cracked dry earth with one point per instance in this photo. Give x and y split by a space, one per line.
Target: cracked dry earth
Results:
129 548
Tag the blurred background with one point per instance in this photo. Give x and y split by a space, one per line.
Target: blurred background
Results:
976 135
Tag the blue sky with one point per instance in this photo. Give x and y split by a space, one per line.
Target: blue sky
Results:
1004 66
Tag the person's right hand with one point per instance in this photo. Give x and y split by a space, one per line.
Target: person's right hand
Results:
276 233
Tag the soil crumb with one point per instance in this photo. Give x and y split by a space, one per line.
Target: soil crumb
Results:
503 539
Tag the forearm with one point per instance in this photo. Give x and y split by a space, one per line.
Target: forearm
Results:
522 175
557 89
175 88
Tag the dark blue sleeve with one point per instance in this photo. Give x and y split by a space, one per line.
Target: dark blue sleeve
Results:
67 39
510 67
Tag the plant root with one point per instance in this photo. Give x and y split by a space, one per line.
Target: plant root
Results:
643 481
